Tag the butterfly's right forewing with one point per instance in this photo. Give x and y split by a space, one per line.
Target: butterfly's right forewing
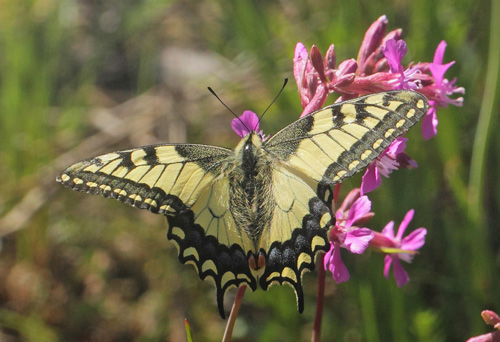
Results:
337 141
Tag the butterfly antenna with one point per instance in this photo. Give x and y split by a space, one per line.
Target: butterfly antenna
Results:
275 98
229 109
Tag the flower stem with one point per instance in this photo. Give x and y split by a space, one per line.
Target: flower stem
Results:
234 313
484 129
316 335
188 330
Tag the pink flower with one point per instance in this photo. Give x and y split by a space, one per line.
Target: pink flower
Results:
246 123
394 51
391 159
346 233
399 248
444 87
493 319
439 91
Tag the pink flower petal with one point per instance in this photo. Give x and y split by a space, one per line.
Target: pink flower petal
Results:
489 337
301 68
371 179
429 123
405 162
394 51
415 240
437 68
412 242
317 62
347 67
397 146
404 224
385 164
358 239
337 267
389 230
317 101
300 52
439 54
349 200
399 272
328 257
387 265
438 71
359 208
490 317
330 58
245 123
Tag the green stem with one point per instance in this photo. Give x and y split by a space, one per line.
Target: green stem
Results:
485 117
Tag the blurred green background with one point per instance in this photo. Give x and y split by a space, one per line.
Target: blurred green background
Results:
81 77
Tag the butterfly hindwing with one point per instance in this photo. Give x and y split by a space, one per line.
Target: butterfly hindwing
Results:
207 237
339 140
297 232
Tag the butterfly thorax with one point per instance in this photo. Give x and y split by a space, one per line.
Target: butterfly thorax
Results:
250 185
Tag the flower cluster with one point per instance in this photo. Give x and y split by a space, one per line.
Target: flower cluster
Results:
378 67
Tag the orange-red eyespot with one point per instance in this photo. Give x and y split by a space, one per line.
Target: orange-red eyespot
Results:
251 262
262 260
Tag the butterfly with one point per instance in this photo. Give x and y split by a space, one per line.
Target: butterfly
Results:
258 214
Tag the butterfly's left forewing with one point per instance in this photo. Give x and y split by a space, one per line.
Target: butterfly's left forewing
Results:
155 178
